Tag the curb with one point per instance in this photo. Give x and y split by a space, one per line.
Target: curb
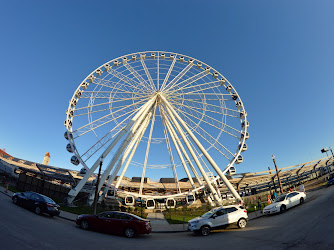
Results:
66 218
160 232
5 193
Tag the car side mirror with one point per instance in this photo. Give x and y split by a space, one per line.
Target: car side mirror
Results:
214 216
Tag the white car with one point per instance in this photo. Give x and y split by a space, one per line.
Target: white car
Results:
285 202
219 217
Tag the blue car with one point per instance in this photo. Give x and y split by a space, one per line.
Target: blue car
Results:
330 180
36 202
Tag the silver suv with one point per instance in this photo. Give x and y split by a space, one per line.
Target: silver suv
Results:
218 218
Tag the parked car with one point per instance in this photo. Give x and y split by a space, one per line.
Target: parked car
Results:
330 180
284 202
218 218
115 223
36 202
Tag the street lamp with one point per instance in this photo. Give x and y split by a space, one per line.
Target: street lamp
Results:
97 185
279 179
325 150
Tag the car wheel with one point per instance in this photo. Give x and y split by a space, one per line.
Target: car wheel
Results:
15 200
84 225
283 209
205 230
37 210
242 223
129 232
301 201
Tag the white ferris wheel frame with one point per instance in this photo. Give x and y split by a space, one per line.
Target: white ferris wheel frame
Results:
140 121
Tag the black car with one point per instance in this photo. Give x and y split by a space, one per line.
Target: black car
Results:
36 202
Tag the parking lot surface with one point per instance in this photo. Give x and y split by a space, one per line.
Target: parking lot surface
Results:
308 226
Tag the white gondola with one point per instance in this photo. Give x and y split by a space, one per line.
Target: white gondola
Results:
75 160
232 170
69 148
129 200
83 171
150 204
170 203
68 135
112 193
244 147
246 135
244 125
190 198
239 159
234 96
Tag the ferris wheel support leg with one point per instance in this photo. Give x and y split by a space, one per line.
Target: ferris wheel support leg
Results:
120 150
185 153
205 153
137 137
206 178
172 132
74 191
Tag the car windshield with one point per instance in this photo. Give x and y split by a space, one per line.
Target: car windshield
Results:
280 198
137 217
207 214
48 200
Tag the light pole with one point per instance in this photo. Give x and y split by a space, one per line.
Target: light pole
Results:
279 179
325 150
97 186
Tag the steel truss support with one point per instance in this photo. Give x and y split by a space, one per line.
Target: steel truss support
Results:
74 192
180 131
172 135
136 138
120 150
173 113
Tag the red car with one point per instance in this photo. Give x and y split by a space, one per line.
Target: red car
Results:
115 223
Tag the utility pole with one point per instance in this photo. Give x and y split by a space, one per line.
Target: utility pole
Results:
97 186
269 170
279 179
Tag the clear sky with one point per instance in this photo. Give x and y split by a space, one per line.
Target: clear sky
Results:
277 54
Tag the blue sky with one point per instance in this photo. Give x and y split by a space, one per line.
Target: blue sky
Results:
278 55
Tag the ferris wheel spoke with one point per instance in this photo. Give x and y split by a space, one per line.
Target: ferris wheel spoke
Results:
168 74
141 80
208 104
105 139
147 73
101 121
113 86
195 109
214 126
131 83
76 114
213 141
197 87
187 82
196 91
178 77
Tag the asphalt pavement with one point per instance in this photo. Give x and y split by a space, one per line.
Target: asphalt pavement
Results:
308 226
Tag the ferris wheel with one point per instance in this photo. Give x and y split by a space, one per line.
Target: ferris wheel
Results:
157 114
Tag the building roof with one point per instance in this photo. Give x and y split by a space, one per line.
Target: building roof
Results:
2 152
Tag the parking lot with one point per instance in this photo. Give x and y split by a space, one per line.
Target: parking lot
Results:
308 226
